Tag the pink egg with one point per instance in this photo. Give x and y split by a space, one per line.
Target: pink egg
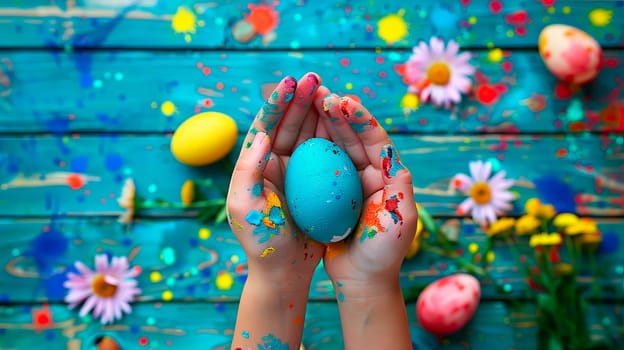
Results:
446 305
569 53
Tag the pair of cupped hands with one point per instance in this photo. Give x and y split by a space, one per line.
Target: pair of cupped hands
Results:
296 111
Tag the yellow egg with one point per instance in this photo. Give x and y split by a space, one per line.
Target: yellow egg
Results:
569 53
204 138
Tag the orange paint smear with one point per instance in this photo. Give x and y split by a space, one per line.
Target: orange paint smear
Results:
262 18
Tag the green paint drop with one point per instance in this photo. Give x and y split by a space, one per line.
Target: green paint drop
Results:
575 111
167 255
496 165
150 321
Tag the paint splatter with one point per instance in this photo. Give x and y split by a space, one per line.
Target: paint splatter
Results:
267 251
392 206
185 22
269 221
224 281
270 342
391 164
262 18
257 189
245 334
392 27
600 17
374 213
168 108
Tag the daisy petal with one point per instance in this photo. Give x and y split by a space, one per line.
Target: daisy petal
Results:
462 182
465 207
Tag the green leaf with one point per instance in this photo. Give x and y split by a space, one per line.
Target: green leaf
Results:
546 303
221 215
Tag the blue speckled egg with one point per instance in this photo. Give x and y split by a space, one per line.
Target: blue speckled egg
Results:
323 190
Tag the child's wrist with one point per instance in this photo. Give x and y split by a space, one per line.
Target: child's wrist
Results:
279 281
367 289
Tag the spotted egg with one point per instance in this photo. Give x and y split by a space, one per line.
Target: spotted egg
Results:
569 53
323 190
447 304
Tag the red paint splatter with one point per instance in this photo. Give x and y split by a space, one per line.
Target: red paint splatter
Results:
518 18
42 318
143 341
392 206
75 181
262 18
548 3
563 91
486 94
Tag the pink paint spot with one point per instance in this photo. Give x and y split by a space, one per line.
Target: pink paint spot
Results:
507 66
496 6
345 62
548 3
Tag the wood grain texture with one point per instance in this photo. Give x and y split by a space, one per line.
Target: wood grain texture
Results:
495 326
191 262
83 174
210 24
154 91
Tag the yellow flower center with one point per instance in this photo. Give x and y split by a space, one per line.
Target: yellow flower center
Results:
103 287
481 193
439 73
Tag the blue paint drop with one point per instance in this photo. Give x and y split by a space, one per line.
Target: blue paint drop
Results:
610 243
54 286
47 249
134 328
79 164
443 20
57 125
113 162
556 192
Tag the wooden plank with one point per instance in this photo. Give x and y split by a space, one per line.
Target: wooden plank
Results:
54 92
184 325
185 260
150 23
83 174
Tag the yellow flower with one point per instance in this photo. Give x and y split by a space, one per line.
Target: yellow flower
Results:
584 226
543 211
187 192
503 225
415 245
126 201
544 239
527 224
564 220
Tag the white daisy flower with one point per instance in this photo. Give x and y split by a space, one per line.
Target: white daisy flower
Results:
488 197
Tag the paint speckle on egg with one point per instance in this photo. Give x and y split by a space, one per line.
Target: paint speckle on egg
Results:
569 53
323 190
446 305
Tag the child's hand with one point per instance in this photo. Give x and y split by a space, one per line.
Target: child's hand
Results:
388 222
277 252
365 267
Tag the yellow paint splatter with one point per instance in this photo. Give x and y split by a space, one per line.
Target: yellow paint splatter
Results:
204 233
168 108
490 256
224 281
267 251
600 17
472 20
410 102
155 277
473 248
349 86
167 295
392 27
495 55
184 21
235 259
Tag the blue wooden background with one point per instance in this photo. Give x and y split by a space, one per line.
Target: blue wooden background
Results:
91 90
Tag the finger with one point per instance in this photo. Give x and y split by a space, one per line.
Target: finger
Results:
311 122
370 133
273 110
341 132
392 169
247 183
291 123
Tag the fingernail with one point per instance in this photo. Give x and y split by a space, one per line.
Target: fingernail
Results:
390 162
313 78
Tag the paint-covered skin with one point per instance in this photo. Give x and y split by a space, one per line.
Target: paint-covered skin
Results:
446 305
281 259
